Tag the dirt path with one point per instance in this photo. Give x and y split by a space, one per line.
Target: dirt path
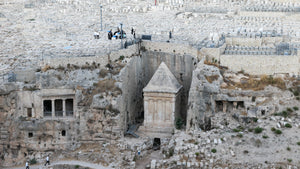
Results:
141 163
71 162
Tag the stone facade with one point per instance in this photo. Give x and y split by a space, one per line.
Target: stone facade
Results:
160 97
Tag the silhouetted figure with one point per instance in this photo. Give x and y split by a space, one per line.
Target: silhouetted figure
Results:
132 30
110 35
170 35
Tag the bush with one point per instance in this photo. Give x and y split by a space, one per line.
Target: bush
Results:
289 160
288 149
258 130
278 131
236 130
295 108
197 154
284 113
179 123
298 143
240 135
288 125
273 129
121 57
33 161
213 150
265 136
289 109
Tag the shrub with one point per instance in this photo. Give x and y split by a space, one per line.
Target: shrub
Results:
289 109
197 154
265 136
288 125
298 143
213 150
121 57
295 108
273 129
236 130
288 149
296 93
240 135
255 119
284 113
278 131
250 129
258 130
179 123
289 160
33 161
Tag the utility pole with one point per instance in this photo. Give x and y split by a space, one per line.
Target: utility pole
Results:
121 36
101 16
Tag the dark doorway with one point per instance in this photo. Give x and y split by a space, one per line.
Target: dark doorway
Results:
47 108
69 107
58 108
156 144
29 112
63 133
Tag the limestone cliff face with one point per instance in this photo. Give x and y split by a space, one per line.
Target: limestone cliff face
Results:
205 86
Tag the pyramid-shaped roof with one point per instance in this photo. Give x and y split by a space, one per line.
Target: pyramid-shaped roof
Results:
163 81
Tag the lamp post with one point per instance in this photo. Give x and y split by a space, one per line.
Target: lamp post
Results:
121 36
101 16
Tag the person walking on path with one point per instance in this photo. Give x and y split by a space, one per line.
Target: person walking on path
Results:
27 165
47 161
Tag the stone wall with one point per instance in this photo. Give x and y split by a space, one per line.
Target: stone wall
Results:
81 61
262 64
244 41
171 48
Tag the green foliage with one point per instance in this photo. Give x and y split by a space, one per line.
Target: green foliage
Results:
288 125
278 132
298 143
289 160
197 154
258 130
265 136
295 108
255 119
76 166
121 57
179 123
296 93
33 161
273 129
289 109
240 135
288 149
238 129
213 150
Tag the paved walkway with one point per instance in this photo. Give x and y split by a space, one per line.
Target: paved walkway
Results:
71 162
